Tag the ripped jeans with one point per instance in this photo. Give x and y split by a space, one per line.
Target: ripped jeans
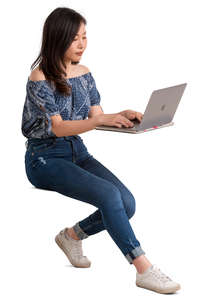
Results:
64 165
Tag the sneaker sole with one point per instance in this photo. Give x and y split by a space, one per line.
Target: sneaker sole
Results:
167 291
68 254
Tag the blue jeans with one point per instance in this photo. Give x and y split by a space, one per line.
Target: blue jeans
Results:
64 165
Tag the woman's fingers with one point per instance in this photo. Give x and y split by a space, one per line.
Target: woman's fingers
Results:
131 114
128 123
124 121
139 116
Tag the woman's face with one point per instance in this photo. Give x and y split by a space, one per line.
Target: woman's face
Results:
78 46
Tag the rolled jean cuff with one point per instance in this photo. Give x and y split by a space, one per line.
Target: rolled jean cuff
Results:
134 253
79 232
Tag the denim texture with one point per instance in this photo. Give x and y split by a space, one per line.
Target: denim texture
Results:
43 101
64 165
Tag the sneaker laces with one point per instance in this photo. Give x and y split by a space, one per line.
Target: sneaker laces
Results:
77 245
160 275
77 248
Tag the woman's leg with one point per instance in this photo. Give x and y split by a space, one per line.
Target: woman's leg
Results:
94 223
69 179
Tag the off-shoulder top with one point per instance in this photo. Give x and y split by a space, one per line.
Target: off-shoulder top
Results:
42 102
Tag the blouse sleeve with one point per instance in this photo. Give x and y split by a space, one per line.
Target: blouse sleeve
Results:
42 97
95 97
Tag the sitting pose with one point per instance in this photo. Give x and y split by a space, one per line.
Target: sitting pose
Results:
62 101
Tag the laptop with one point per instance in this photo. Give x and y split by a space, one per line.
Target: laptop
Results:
159 112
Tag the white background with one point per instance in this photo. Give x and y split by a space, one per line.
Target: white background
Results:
134 47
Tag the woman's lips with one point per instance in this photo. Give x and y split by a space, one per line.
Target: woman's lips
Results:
79 53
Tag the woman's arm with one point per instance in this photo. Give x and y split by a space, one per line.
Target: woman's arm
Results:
95 110
62 127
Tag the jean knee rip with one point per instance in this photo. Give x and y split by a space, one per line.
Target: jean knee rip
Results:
42 160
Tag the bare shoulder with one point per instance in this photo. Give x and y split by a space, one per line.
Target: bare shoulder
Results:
37 75
77 70
83 69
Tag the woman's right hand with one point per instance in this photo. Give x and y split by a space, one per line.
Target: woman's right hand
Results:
116 120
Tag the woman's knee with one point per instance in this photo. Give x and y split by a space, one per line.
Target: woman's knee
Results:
112 197
129 203
119 198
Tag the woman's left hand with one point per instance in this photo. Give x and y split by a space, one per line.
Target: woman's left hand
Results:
131 114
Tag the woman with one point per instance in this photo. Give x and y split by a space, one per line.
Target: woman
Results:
61 94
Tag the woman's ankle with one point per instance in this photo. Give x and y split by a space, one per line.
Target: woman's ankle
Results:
72 234
141 263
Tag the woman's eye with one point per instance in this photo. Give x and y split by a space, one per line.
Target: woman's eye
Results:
83 38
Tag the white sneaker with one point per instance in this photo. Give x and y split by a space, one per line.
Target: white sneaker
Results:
154 279
73 249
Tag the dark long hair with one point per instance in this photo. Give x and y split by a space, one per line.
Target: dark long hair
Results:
60 28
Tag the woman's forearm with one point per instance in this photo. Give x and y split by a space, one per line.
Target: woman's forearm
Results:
68 128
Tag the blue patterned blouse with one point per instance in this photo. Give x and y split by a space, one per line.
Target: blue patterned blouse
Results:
42 102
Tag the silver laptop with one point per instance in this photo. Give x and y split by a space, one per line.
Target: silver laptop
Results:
159 112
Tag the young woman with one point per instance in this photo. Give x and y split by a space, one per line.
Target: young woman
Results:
62 102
